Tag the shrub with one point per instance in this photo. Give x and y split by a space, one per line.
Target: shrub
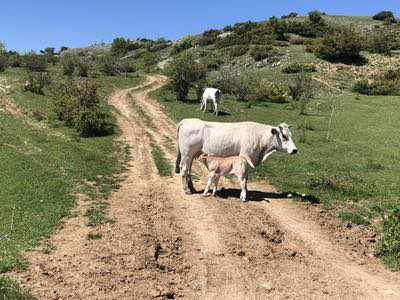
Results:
76 102
68 62
119 46
232 40
315 17
184 44
89 119
34 62
50 55
14 60
260 52
82 67
291 15
301 89
298 68
183 72
239 50
108 65
209 37
382 41
268 91
227 79
389 248
342 45
378 87
3 62
36 81
385 14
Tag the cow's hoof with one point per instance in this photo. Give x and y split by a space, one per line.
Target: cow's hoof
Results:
187 191
207 195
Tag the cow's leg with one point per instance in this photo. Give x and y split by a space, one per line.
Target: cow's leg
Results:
216 180
243 186
216 107
190 182
205 105
185 171
201 104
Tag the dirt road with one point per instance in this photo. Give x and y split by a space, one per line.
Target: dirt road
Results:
167 245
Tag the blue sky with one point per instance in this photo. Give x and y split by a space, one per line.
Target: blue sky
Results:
33 25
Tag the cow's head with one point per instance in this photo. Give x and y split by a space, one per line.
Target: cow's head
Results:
284 140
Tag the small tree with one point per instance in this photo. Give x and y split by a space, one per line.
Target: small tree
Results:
184 71
36 81
119 46
344 45
382 41
3 62
301 89
383 15
35 62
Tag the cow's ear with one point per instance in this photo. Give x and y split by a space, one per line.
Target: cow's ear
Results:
274 131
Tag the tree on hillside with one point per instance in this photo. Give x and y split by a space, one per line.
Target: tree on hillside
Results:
184 71
385 15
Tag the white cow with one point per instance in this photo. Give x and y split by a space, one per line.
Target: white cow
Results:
213 95
256 141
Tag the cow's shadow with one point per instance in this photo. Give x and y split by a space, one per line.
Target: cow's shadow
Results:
221 113
258 196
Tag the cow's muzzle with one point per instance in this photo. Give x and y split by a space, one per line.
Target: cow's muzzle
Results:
294 151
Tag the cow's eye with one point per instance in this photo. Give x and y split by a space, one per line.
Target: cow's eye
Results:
285 137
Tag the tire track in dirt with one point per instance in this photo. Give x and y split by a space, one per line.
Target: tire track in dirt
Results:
370 279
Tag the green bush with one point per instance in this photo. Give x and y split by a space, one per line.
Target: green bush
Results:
342 45
260 52
384 15
3 62
119 46
301 89
382 41
209 37
82 67
298 68
108 65
186 43
15 60
291 15
184 71
68 62
378 87
232 40
238 50
35 62
389 248
313 26
36 81
77 104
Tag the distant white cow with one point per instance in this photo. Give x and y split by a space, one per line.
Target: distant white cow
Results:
210 94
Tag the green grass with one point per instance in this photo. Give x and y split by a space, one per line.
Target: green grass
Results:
162 163
357 167
42 169
10 290
96 214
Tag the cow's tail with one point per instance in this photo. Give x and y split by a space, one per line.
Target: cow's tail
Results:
247 158
179 155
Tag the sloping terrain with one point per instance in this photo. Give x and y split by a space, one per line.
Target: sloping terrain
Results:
164 244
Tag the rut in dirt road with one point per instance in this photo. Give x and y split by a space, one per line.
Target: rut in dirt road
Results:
165 244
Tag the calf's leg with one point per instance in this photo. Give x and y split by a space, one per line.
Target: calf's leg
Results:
216 180
243 186
211 179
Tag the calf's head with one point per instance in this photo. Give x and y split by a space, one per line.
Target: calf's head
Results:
283 139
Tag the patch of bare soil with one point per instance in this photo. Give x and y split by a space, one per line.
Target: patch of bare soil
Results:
165 245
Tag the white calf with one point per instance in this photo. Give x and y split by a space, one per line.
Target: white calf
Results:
223 166
210 94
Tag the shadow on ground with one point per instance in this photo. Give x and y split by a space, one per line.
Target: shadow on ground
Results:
259 196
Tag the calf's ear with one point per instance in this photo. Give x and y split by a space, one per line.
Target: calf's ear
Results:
274 131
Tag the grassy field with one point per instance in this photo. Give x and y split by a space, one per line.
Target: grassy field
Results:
43 167
348 158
